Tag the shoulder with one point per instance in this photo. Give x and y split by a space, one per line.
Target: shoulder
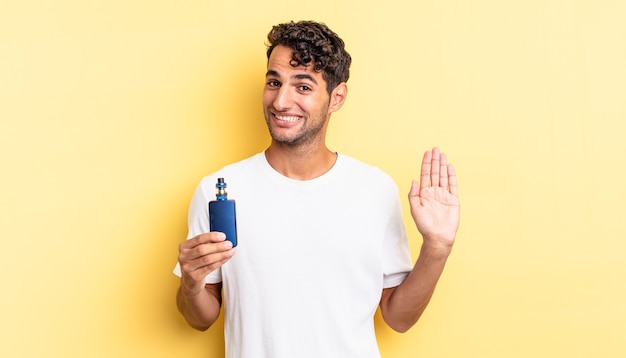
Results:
356 168
234 170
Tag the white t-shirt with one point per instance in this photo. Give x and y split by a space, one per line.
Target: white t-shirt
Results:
312 258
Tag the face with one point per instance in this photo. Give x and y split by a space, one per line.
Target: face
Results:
295 101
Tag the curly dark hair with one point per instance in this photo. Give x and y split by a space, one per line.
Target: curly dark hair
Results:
313 42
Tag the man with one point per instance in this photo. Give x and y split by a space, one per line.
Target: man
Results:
321 241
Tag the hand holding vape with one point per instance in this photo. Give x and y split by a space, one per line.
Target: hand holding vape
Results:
222 216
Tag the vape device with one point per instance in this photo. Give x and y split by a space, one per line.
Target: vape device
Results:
222 213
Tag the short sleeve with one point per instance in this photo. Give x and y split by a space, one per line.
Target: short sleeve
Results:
397 254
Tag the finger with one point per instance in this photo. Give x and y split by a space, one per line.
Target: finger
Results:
202 245
452 180
443 172
205 255
415 189
435 168
204 239
198 269
215 236
425 171
212 247
212 260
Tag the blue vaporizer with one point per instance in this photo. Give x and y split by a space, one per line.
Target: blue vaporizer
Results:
222 213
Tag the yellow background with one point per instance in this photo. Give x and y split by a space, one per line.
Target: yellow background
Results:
112 111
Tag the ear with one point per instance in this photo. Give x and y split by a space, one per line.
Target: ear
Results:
338 97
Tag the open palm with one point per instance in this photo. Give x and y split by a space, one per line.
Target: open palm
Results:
434 201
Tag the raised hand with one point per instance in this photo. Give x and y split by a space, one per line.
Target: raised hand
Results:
434 201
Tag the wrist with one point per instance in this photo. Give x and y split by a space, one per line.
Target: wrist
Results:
192 291
436 249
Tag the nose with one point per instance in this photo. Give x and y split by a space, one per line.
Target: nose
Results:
283 99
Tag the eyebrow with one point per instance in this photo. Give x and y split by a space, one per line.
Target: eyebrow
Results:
305 76
271 73
301 76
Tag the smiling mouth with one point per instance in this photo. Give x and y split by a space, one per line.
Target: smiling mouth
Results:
289 119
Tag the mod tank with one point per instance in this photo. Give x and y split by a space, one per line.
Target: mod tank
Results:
222 215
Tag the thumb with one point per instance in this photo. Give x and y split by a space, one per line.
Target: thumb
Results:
415 189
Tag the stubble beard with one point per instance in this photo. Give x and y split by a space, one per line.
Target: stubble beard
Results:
305 135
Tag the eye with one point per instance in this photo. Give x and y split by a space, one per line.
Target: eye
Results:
304 88
273 83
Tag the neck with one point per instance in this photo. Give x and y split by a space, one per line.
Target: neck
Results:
300 163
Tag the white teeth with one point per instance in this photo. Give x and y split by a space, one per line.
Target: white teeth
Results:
288 118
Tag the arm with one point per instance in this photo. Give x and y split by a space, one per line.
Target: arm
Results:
435 210
203 309
199 302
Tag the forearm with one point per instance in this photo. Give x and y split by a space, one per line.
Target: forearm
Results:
403 305
200 310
